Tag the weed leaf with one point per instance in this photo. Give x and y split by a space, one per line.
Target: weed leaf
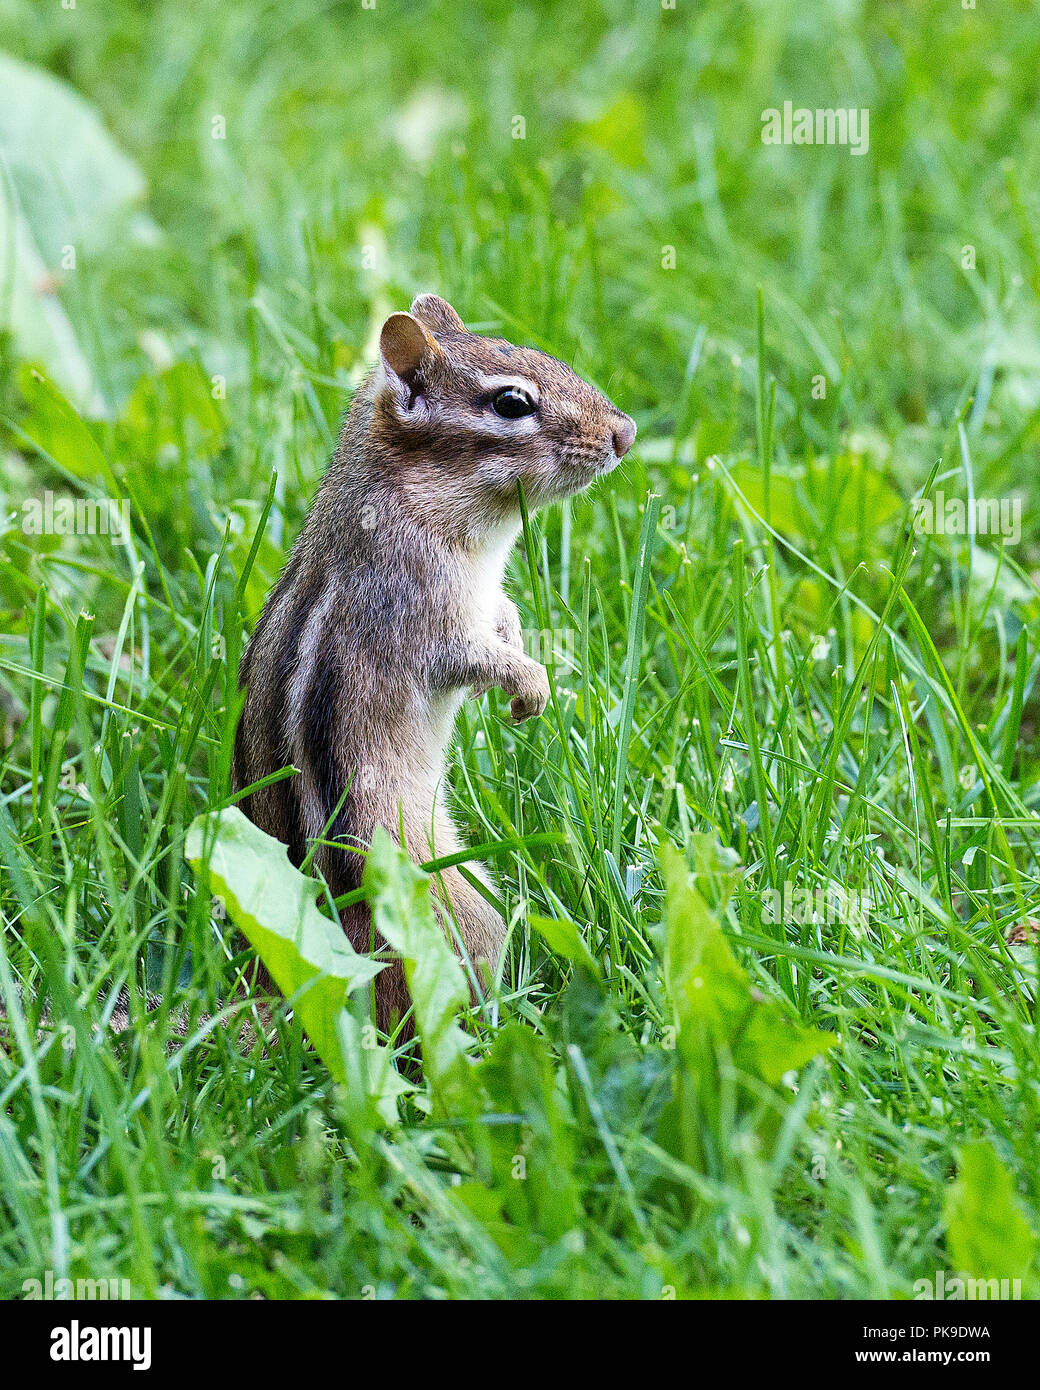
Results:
275 907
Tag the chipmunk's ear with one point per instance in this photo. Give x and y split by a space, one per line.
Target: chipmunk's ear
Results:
437 313
410 355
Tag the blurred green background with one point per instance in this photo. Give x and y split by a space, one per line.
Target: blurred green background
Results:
392 129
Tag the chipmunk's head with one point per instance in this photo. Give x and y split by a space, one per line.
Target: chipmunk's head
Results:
476 415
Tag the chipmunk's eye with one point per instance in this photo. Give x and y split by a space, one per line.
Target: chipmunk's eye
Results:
512 403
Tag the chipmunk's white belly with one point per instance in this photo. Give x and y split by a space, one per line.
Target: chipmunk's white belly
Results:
477 584
442 707
483 576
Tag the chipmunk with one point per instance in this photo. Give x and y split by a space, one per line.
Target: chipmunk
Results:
391 608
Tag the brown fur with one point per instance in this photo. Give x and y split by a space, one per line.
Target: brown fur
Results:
391 608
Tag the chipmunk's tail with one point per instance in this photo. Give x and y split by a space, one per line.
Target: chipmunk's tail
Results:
458 904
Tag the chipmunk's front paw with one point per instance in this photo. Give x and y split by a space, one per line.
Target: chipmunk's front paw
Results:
510 634
508 626
530 695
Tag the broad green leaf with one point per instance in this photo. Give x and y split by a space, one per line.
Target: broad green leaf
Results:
716 868
565 938
370 1073
66 187
399 896
987 1235
31 312
715 1006
174 407
59 431
70 174
847 496
530 1160
275 907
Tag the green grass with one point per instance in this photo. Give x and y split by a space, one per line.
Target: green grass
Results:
764 656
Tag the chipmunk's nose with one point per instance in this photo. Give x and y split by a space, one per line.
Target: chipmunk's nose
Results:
624 436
